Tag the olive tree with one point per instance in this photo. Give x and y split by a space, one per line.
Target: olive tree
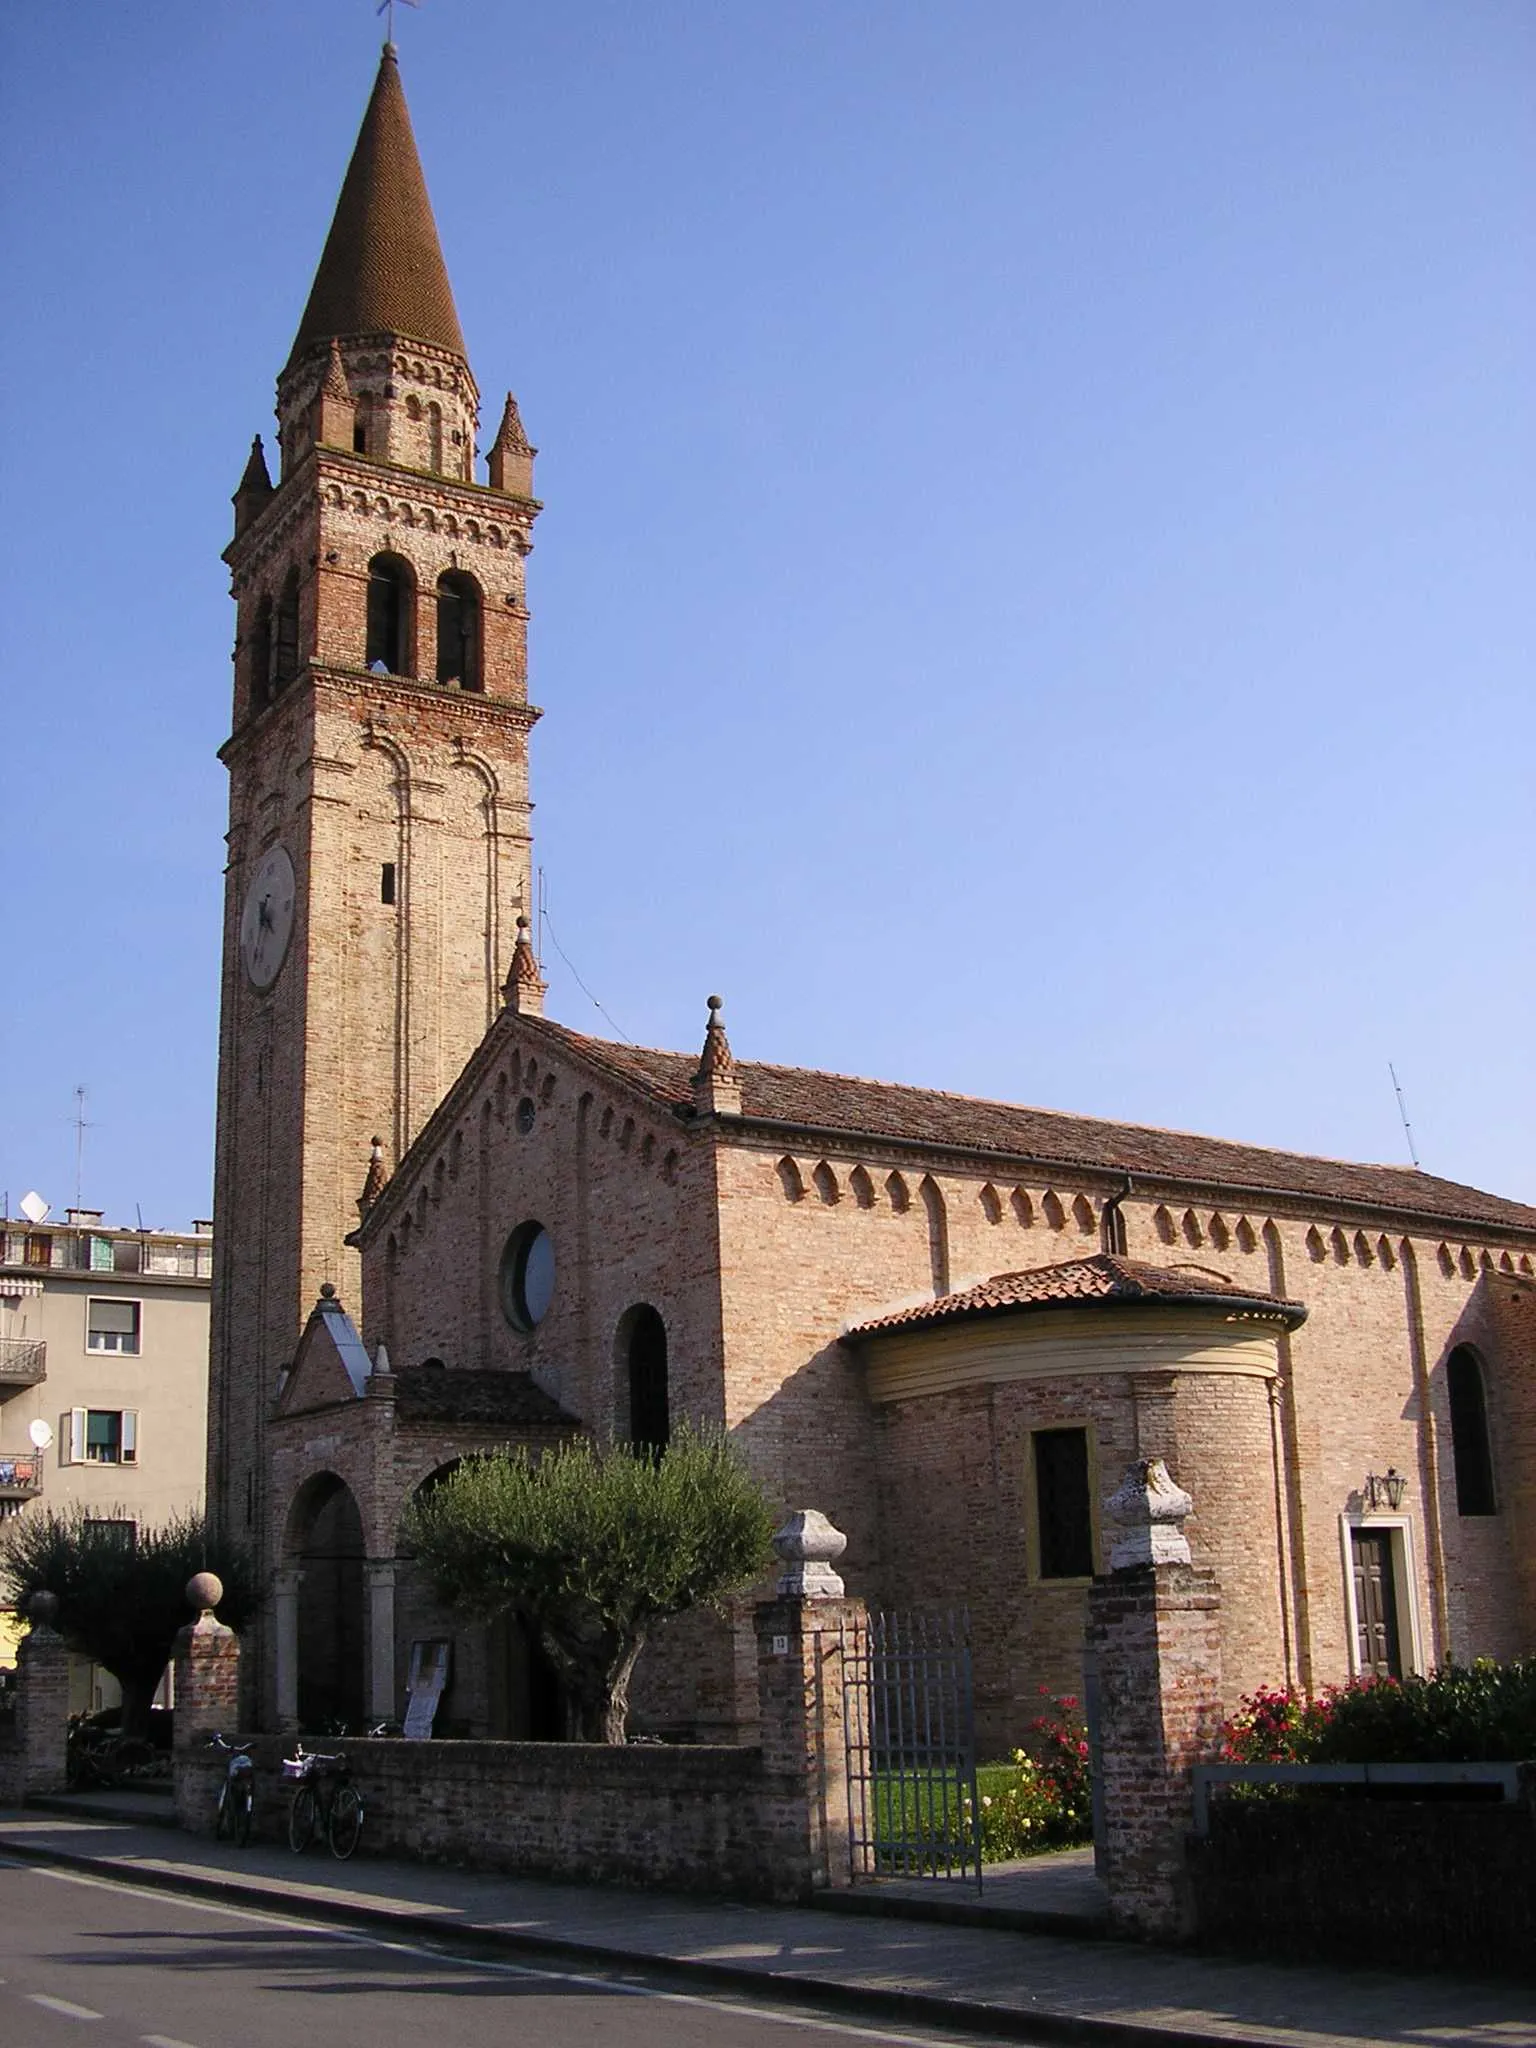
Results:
122 1590
593 1547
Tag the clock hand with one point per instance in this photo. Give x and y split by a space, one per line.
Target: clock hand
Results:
264 914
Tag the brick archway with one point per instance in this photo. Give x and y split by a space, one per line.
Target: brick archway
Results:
323 1546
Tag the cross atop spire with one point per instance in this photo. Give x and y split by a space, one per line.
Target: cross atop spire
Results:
382 269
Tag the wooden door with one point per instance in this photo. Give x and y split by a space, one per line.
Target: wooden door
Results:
1376 1634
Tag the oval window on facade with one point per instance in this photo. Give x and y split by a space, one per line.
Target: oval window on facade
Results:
528 1276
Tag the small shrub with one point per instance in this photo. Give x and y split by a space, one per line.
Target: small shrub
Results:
1478 1713
1041 1798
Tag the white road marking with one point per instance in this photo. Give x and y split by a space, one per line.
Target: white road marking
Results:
63 2005
163 2041
744 2007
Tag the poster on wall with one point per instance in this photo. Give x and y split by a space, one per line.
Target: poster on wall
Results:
424 1687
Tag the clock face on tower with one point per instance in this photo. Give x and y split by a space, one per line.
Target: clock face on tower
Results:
266 923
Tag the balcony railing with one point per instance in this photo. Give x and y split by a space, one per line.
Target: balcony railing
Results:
21 1474
23 1361
87 1251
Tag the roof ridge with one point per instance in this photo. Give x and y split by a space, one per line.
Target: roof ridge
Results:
1073 1116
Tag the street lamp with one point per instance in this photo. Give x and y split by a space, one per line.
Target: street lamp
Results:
1385 1489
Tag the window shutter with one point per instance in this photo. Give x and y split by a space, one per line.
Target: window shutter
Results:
130 1436
73 1435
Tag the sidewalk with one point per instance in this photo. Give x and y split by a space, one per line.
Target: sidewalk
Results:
1023 1986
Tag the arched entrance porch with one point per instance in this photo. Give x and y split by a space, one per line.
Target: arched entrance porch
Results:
321 1617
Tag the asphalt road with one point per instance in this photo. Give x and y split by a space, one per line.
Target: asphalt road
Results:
86 1963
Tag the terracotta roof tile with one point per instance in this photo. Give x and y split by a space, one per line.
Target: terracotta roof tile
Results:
382 269
1104 1277
838 1105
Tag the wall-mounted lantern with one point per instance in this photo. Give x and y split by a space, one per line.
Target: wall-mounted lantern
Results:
1385 1489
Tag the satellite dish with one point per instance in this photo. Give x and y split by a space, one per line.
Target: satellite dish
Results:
33 1207
41 1434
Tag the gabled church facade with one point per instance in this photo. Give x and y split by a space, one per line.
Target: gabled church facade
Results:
946 1323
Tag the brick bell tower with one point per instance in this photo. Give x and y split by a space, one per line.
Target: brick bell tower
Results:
378 820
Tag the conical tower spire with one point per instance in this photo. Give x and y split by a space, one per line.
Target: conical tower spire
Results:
382 269
716 1084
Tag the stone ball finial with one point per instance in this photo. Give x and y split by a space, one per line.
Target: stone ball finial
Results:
1151 1509
43 1609
522 922
807 1544
204 1591
327 1291
715 1002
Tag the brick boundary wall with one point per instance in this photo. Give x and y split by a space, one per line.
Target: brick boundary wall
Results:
34 1760
711 1819
1408 1882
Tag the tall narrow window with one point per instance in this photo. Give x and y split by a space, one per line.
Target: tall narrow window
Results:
1470 1445
287 662
650 1424
435 437
458 629
260 670
1064 1516
387 882
390 588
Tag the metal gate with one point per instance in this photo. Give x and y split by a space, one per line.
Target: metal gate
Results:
910 1733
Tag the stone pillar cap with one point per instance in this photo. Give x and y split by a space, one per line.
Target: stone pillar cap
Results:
808 1544
1151 1508
204 1591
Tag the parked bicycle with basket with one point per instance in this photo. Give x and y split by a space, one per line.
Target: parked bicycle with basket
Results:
325 1802
237 1794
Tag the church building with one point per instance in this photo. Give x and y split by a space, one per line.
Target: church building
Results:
446 1223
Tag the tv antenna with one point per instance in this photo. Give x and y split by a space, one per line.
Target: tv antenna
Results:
81 1127
1402 1110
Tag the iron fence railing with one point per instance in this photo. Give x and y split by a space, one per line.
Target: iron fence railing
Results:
910 1733
23 1360
1501 1780
21 1472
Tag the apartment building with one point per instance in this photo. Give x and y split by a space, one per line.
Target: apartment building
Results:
103 1374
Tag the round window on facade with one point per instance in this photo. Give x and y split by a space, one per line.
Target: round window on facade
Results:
527 1276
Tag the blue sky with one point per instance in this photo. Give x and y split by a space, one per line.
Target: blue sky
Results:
1035 596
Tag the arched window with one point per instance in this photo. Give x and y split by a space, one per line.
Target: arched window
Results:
649 1417
435 437
1470 1446
458 629
261 657
287 662
390 589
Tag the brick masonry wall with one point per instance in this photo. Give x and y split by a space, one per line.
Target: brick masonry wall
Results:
1154 1641
1394 1883
689 1819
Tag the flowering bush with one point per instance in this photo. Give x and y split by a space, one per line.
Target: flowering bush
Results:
1483 1712
1041 1798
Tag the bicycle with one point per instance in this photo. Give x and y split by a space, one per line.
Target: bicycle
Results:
102 1758
324 1801
237 1794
